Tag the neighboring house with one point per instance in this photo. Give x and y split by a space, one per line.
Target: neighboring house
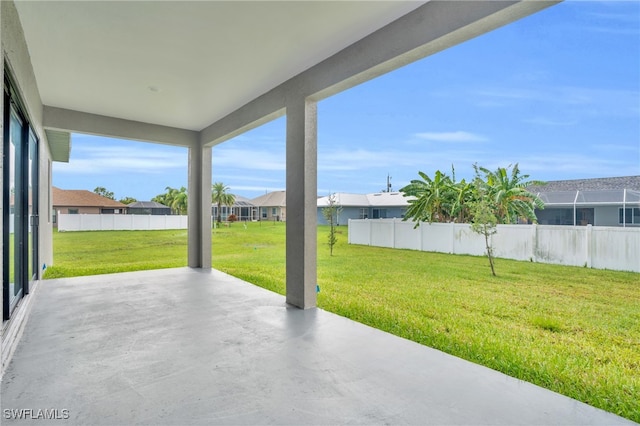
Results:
381 205
81 201
243 208
149 208
600 202
272 206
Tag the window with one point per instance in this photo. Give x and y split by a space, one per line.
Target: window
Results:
264 213
364 213
629 216
555 216
379 213
72 211
274 211
585 217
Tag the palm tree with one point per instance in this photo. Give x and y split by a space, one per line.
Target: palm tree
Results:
179 200
508 194
220 196
433 198
464 194
174 198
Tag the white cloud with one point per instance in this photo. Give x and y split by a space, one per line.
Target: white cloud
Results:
458 136
256 188
584 101
249 159
97 160
235 177
574 166
550 121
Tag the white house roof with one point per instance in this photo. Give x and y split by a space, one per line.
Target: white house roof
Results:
147 205
380 199
395 199
271 199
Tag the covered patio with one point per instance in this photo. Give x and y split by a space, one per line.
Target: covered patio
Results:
191 346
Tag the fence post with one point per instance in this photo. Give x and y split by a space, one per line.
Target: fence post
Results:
453 237
587 243
534 241
393 232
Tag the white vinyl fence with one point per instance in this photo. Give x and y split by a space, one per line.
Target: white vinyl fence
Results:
119 222
600 247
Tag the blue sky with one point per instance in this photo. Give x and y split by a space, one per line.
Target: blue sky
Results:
557 92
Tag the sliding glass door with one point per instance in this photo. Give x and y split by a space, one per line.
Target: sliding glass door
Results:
20 204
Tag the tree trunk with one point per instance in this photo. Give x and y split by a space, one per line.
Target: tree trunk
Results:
489 251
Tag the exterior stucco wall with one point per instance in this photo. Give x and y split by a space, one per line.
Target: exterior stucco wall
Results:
343 218
355 213
16 55
607 216
81 210
279 215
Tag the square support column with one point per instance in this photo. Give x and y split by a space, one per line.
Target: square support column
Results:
199 208
302 201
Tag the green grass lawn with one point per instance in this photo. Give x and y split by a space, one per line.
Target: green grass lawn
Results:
93 253
572 330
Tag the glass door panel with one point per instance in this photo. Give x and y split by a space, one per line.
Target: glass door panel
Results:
15 208
33 208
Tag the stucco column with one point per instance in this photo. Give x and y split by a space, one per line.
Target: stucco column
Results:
302 191
199 207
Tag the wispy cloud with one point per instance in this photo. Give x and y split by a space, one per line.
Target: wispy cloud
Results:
249 159
457 136
256 188
613 147
578 165
238 177
550 121
615 31
581 100
99 160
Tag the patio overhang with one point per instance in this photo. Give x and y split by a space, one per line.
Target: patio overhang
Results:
195 74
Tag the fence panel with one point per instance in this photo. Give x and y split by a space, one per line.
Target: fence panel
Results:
436 237
119 222
405 236
564 245
615 248
361 232
514 242
465 241
598 247
382 232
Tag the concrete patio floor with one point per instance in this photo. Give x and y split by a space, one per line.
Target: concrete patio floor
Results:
186 346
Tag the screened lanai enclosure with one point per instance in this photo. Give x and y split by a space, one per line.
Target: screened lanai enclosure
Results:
611 207
243 210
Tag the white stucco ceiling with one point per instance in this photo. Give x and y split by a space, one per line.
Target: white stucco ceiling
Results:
184 64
